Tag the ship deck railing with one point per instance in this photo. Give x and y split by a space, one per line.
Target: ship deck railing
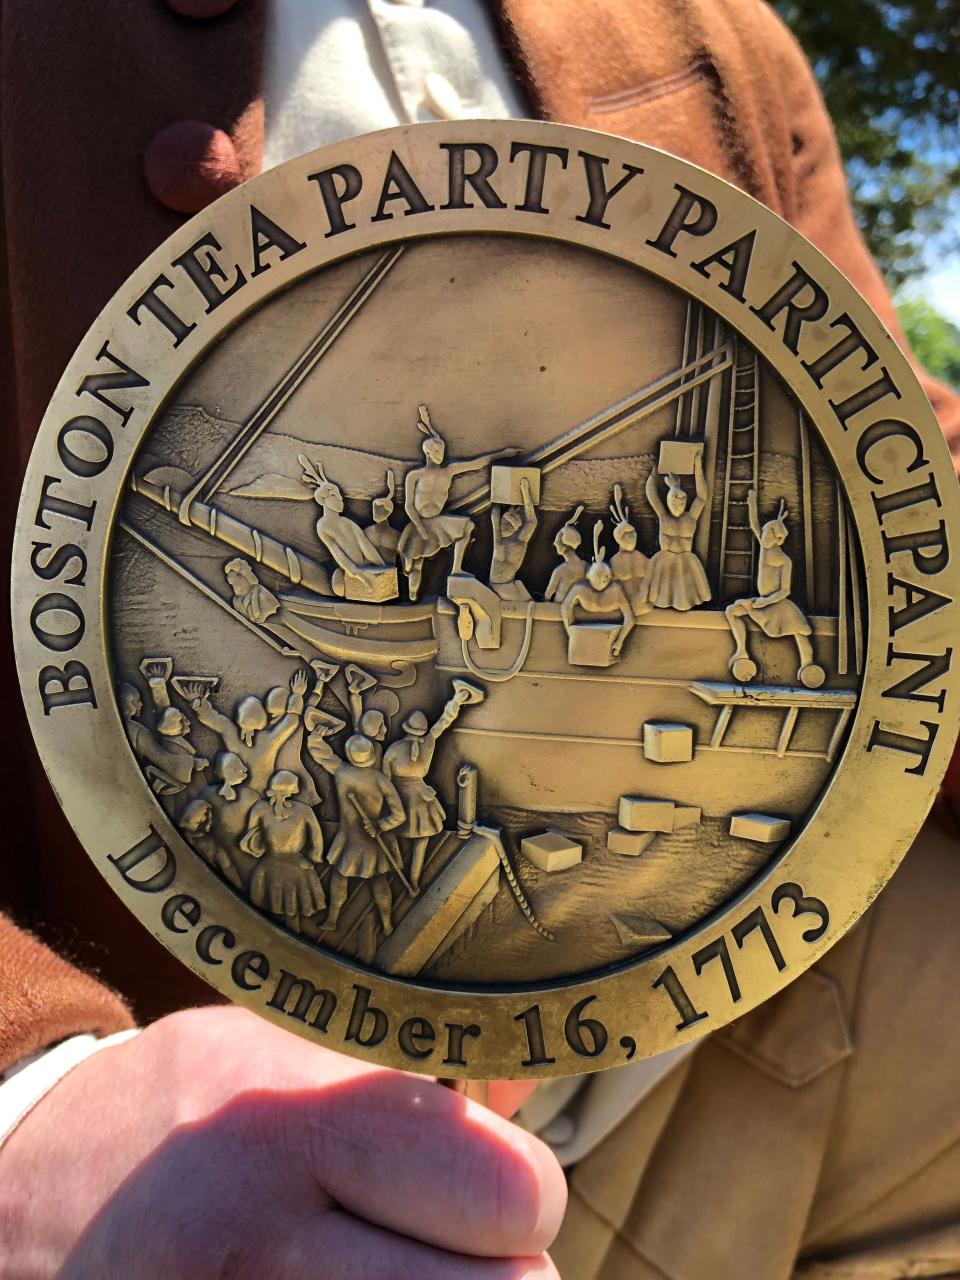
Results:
729 697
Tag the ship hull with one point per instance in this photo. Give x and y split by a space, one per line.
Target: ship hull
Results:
565 739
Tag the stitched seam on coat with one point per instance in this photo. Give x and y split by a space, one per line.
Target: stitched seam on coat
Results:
616 1234
757 1059
624 99
892 1190
866 925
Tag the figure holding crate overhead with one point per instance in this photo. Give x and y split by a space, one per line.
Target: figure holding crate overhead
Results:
677 579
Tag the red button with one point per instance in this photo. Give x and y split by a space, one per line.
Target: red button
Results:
200 8
190 164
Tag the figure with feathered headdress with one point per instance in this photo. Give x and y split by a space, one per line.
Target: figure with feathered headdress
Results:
628 563
351 549
426 494
599 593
572 567
771 609
677 579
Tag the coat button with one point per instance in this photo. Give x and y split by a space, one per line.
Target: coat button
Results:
200 8
190 164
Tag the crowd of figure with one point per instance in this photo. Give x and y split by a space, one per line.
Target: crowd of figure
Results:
255 819
630 584
673 578
626 586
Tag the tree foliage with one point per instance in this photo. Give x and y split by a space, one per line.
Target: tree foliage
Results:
934 339
890 74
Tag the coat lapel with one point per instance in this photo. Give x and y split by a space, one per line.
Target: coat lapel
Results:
712 1177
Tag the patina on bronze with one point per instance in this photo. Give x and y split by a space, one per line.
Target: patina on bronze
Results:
484 595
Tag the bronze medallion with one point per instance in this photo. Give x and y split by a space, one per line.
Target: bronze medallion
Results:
483 596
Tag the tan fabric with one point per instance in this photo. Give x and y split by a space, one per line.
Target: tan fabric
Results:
930 1254
824 1127
575 1114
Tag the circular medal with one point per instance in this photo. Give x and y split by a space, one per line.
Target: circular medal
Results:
483 597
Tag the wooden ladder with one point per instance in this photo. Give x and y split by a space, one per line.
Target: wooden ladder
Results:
737 544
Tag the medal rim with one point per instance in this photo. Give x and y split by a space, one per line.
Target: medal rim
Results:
624 998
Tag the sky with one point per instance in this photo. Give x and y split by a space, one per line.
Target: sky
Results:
942 287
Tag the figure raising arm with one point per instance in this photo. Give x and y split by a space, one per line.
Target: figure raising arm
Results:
653 495
700 484
676 578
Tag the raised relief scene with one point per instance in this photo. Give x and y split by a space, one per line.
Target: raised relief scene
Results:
491 613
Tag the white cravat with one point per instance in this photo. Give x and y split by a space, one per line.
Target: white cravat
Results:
337 68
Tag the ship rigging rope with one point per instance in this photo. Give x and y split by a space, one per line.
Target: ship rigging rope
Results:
498 676
520 896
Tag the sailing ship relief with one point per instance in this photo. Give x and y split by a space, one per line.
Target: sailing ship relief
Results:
494 637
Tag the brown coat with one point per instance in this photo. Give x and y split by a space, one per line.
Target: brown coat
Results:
817 1137
88 191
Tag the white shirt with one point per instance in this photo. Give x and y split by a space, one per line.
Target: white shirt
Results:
337 68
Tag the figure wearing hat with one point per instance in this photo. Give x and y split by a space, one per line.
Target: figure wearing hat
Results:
426 494
407 763
572 567
231 800
252 735
629 564
168 761
365 846
283 834
173 728
677 579
772 609
372 721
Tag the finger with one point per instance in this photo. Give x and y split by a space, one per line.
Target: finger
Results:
417 1158
337 1246
506 1097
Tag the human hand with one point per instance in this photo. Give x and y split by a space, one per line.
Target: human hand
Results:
157 669
358 680
299 681
324 671
214 1144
